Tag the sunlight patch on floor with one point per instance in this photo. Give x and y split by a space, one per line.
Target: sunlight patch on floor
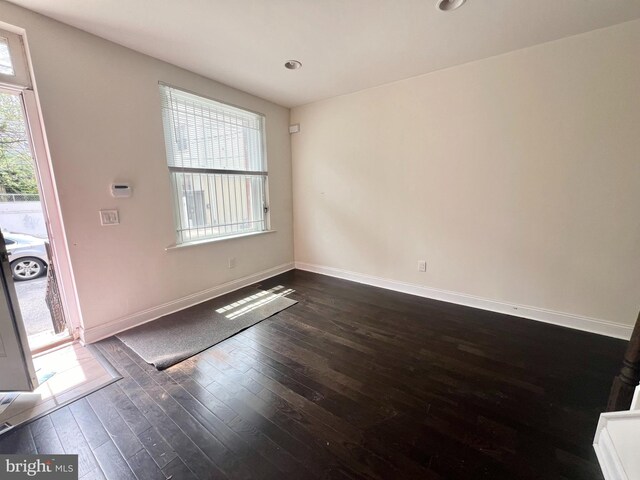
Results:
71 371
251 302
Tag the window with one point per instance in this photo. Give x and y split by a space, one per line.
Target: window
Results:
216 159
14 70
6 66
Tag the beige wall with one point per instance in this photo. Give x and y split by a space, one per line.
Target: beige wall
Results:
516 177
101 108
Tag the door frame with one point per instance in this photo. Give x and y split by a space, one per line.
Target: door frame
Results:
45 177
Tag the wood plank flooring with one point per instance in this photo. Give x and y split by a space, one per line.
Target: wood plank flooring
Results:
352 382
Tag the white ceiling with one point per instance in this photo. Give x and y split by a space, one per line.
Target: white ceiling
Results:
344 45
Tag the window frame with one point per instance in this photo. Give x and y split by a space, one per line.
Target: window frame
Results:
18 55
262 174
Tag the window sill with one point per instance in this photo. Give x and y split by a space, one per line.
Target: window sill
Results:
206 241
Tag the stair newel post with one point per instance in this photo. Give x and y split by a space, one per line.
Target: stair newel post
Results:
627 380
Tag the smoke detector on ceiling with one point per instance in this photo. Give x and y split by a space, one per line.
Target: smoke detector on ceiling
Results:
449 5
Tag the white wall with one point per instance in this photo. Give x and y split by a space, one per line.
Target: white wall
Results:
516 177
101 109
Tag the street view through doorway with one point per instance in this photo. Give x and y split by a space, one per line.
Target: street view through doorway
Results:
24 229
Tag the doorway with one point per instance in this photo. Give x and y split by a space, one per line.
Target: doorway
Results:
24 228
37 256
42 367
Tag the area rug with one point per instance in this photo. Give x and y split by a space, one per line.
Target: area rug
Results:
175 337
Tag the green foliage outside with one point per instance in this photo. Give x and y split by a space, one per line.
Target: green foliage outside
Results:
17 174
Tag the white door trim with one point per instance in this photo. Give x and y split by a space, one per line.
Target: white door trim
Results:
46 182
51 210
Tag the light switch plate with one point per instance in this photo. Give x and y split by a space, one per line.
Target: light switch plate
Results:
109 217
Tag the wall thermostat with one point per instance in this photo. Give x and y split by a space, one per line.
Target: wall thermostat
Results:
121 190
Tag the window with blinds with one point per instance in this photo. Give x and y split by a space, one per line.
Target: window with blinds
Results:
216 159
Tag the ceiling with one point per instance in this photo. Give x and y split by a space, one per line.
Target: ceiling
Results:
344 45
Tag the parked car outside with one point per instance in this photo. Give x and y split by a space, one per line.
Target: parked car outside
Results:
27 255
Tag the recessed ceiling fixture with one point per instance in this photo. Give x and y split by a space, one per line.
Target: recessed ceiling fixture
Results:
292 65
448 5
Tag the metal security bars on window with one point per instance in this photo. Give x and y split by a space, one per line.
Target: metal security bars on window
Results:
215 154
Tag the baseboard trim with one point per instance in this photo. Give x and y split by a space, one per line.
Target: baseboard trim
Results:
93 334
593 325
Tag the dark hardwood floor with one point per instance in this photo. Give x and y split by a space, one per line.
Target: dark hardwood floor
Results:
352 382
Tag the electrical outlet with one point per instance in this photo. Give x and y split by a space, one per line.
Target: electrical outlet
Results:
232 262
109 217
422 265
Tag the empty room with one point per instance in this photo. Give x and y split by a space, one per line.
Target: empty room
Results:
337 239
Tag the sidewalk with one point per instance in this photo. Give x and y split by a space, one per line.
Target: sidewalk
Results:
35 313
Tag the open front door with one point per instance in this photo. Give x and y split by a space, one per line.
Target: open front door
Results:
17 373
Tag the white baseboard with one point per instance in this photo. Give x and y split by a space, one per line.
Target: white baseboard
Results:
588 324
93 334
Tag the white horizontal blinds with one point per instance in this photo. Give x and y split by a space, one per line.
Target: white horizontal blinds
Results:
202 133
216 162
